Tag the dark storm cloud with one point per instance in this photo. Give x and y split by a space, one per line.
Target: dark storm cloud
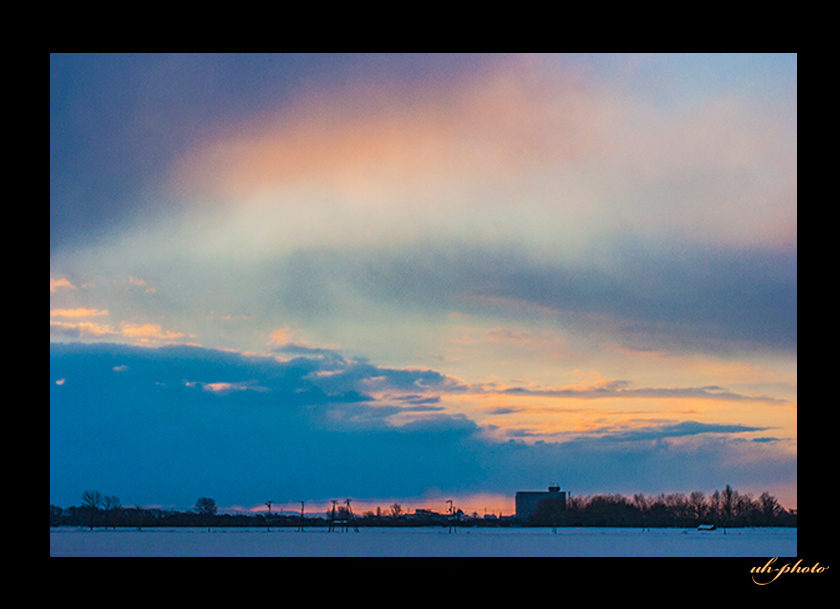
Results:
603 465
159 429
145 424
696 298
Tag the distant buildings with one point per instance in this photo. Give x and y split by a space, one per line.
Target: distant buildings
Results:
527 501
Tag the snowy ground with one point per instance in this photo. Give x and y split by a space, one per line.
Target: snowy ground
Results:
425 542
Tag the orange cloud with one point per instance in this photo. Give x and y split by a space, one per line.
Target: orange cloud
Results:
282 336
147 331
387 138
564 150
81 330
141 283
86 329
77 313
55 284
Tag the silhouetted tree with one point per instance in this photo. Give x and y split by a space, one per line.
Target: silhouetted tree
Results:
727 504
745 509
769 507
713 508
206 508
727 508
640 502
91 501
658 512
135 516
111 505
697 506
56 515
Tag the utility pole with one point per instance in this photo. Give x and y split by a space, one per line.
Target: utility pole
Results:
300 528
268 521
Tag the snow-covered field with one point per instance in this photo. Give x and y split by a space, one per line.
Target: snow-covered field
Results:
425 542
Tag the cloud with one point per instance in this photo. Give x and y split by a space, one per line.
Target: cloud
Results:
136 281
570 211
56 284
226 388
140 333
529 189
80 330
147 331
245 426
114 137
365 141
77 313
679 430
418 399
708 299
298 349
621 389
565 160
356 126
502 410
261 411
675 458
370 378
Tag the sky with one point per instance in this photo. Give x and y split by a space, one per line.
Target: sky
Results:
413 278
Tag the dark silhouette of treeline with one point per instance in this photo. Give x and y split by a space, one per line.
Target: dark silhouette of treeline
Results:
726 508
104 511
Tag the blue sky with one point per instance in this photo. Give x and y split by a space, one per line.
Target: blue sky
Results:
416 277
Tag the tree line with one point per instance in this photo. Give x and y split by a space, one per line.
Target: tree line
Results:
726 508
104 511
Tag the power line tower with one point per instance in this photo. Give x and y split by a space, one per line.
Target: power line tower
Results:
451 517
342 517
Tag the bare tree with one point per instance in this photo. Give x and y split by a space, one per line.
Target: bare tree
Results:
713 507
111 505
92 500
206 508
769 507
746 509
727 505
697 503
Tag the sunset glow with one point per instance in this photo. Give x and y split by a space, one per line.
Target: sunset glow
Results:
408 279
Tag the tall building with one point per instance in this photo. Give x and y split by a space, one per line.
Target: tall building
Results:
527 501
